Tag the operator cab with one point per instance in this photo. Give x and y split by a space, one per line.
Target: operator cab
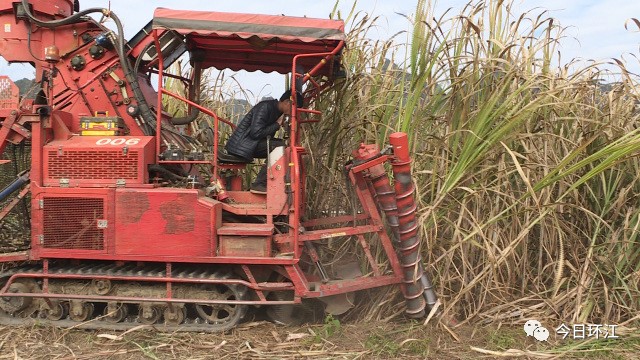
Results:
308 49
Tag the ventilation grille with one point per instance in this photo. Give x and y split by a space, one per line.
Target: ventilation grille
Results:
73 223
90 164
8 94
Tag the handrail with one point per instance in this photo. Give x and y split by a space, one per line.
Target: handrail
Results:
199 107
216 126
163 91
294 221
156 40
309 111
305 77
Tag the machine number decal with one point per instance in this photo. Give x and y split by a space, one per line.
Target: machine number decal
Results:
118 141
7 28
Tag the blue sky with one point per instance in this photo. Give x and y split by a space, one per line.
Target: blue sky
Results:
595 28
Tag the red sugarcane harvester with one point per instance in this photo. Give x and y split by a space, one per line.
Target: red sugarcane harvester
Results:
133 220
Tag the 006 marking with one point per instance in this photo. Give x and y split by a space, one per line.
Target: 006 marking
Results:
117 141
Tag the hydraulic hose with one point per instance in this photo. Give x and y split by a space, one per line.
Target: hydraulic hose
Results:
66 21
164 171
186 119
15 185
194 95
195 112
131 78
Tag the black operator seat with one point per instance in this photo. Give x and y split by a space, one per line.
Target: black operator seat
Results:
226 158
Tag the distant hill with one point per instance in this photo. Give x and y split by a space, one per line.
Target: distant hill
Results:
236 109
25 85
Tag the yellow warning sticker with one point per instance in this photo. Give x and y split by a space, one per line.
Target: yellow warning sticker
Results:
332 235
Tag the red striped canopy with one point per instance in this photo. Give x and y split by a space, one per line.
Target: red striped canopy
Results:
251 42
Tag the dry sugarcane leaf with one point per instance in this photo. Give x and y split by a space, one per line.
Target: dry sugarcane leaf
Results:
295 336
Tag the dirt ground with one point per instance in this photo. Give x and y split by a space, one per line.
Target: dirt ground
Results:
328 340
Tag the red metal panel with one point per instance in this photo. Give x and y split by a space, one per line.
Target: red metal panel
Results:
50 8
98 160
14 256
164 223
242 246
91 165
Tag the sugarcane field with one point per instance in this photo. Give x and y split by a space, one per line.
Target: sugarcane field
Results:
353 179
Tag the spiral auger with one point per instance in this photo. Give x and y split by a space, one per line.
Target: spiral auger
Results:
416 279
399 206
409 253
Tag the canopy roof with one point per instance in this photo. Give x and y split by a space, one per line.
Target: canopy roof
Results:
251 42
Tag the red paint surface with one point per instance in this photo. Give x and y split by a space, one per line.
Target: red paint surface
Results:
163 222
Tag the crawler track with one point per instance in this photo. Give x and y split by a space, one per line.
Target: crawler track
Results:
108 296
101 324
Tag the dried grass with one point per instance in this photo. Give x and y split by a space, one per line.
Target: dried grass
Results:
527 177
261 340
526 171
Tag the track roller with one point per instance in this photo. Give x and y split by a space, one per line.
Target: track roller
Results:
115 312
101 286
80 310
12 304
149 314
56 310
175 314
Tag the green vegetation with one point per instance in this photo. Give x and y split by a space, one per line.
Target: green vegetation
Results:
330 328
503 339
27 88
383 346
146 351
